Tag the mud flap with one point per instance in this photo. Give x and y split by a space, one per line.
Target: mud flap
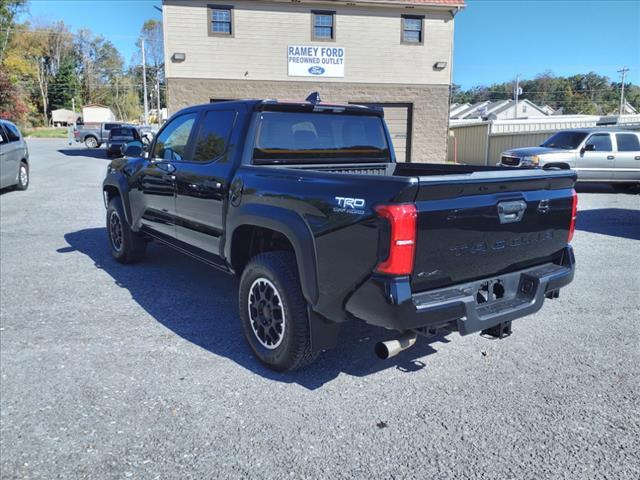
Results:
324 333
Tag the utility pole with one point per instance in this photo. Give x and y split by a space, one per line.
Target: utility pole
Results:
158 96
516 92
624 74
73 107
144 83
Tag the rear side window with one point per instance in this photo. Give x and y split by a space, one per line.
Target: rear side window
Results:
213 135
601 142
122 133
285 137
628 142
109 126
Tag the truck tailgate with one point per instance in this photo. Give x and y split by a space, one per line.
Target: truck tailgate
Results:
488 223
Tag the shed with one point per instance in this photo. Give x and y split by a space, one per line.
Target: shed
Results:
62 117
96 113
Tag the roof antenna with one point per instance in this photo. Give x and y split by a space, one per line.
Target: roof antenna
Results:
314 98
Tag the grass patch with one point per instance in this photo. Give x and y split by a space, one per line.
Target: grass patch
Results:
46 133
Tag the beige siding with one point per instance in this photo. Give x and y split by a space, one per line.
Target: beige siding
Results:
500 143
469 144
263 31
430 104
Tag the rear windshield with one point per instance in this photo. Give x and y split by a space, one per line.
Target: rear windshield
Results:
293 137
121 134
565 140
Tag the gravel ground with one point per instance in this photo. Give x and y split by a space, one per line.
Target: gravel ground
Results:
111 371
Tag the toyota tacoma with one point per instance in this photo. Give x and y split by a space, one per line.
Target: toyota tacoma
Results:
305 203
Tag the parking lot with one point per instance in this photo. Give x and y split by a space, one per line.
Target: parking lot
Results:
112 371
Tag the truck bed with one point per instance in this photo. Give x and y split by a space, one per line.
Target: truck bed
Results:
461 236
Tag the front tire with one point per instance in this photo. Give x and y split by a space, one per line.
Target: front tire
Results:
23 176
273 312
126 246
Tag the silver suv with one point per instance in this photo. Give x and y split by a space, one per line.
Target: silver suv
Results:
596 154
14 157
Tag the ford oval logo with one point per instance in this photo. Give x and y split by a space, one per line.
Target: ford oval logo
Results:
316 70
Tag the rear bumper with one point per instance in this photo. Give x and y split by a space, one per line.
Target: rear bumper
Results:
389 302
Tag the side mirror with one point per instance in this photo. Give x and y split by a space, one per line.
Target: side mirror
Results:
132 149
589 148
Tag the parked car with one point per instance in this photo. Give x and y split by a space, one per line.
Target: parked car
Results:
93 137
596 154
120 136
14 157
147 132
305 203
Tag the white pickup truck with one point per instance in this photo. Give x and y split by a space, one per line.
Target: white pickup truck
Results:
596 154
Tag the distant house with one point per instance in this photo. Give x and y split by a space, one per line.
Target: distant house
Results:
457 108
500 110
548 110
628 109
96 113
62 117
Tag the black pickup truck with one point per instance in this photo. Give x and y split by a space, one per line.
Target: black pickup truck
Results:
304 202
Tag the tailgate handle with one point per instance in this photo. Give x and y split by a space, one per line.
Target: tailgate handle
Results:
511 212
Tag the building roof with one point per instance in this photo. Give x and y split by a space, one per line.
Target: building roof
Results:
96 105
483 109
454 3
404 3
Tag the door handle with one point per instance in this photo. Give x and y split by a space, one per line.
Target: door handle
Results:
637 157
168 167
610 157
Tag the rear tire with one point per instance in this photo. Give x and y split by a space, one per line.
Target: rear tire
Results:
126 246
23 176
273 312
91 142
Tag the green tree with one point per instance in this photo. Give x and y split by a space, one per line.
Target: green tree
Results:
64 86
9 9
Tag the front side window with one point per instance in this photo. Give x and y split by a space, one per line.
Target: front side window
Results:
600 142
412 29
220 20
628 142
171 144
323 25
12 132
213 135
290 138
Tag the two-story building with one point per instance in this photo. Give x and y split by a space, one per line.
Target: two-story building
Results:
396 54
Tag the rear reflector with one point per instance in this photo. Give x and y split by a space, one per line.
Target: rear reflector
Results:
574 214
402 246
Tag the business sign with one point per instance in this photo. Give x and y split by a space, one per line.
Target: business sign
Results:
309 61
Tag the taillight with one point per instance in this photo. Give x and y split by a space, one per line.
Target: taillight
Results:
574 214
402 246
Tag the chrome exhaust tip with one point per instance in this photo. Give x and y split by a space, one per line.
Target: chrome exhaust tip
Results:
391 348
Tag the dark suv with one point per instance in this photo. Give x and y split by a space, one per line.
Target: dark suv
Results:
120 136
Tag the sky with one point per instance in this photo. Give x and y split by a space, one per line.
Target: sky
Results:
495 40
119 21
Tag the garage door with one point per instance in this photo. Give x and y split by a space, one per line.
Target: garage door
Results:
398 118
